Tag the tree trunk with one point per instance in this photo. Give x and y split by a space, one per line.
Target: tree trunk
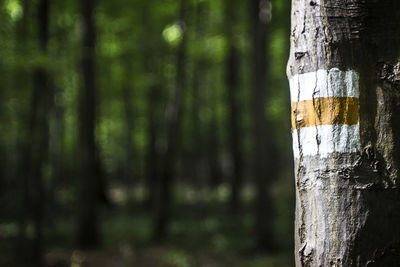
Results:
23 146
56 129
152 155
88 232
129 170
213 143
41 102
344 74
154 99
195 132
173 118
262 154
197 72
36 150
232 84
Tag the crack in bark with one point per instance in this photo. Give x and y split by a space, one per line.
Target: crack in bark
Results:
302 226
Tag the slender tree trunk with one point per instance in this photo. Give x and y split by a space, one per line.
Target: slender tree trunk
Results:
262 153
39 127
173 118
196 148
199 65
232 84
36 150
152 157
23 145
88 232
129 171
154 98
40 153
344 74
56 129
213 150
56 134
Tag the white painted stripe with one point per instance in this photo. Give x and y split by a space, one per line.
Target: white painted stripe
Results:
332 138
324 83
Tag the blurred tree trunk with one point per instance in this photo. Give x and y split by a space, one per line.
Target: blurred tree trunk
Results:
152 156
23 145
88 226
173 119
262 152
196 143
213 136
57 124
214 144
232 85
344 74
154 101
196 148
56 134
36 150
41 102
199 148
129 172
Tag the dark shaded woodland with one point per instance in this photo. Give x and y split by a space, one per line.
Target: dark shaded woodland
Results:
145 133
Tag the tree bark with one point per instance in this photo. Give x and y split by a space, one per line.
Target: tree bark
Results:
344 75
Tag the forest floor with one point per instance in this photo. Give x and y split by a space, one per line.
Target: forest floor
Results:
201 234
161 257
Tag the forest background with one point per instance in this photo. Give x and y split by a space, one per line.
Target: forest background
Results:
145 133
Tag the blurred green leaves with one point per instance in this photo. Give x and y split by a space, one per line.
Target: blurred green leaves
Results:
14 9
173 34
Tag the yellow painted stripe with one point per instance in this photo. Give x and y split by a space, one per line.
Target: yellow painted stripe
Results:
325 111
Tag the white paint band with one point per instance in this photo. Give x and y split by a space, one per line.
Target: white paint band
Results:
323 140
324 83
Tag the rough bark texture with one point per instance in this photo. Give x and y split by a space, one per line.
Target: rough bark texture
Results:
348 203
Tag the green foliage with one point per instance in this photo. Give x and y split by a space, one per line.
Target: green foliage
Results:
173 34
13 9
